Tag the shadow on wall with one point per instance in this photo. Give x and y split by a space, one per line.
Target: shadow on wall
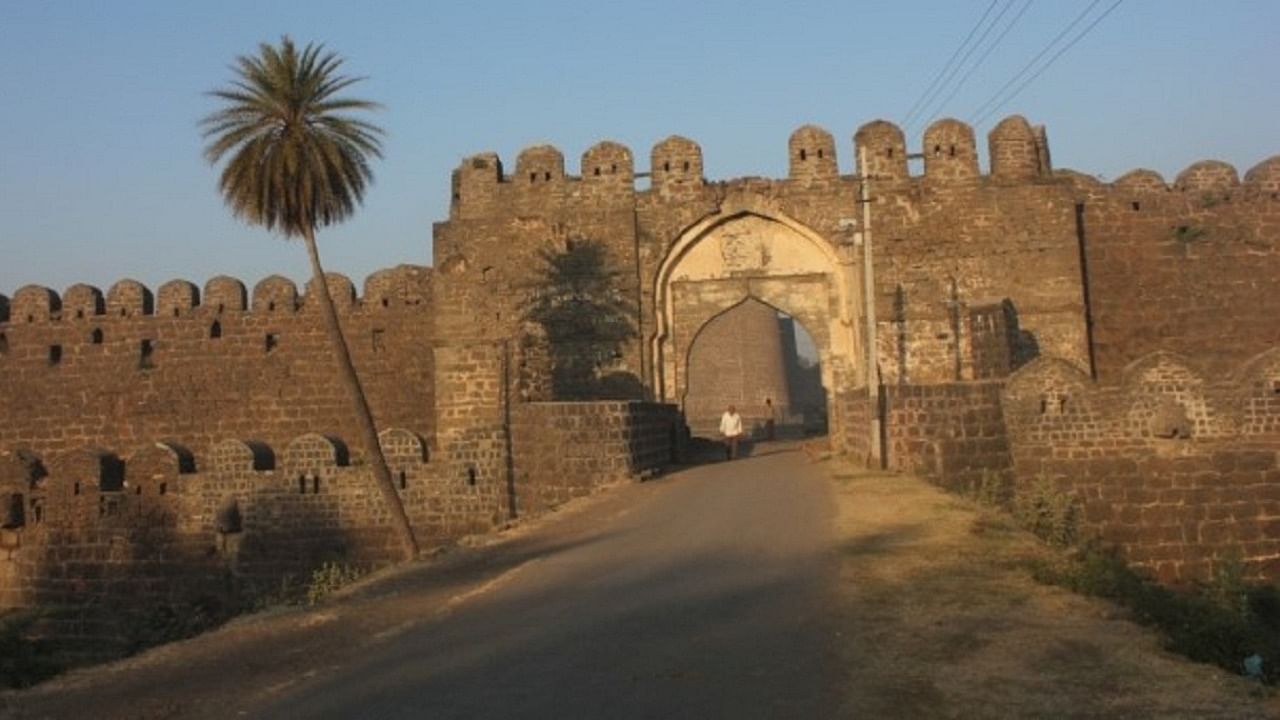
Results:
578 322
1023 346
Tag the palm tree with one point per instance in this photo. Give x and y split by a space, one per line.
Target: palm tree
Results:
299 160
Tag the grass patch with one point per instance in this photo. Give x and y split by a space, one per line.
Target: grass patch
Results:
1227 621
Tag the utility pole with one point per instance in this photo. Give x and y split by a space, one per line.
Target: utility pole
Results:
869 307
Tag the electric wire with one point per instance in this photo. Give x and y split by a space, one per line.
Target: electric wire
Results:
911 113
985 55
1046 66
1031 63
924 117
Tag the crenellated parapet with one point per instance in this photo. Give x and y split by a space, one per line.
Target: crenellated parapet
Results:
1016 154
675 168
811 154
608 174
130 299
165 485
885 148
950 152
1160 401
1172 465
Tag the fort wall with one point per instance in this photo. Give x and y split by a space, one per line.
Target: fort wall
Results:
1176 465
1192 268
132 367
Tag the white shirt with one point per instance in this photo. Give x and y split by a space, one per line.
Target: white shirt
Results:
730 424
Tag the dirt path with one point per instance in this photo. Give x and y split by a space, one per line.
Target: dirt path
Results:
941 620
759 588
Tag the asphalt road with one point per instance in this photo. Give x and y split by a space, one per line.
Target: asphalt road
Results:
707 597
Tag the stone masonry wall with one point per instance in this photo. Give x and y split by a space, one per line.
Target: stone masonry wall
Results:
567 450
1176 466
954 434
129 368
1193 268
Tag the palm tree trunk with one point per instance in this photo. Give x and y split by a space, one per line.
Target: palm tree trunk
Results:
364 417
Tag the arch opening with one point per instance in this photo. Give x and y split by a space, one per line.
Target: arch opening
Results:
764 363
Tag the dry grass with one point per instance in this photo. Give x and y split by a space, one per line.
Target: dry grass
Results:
941 619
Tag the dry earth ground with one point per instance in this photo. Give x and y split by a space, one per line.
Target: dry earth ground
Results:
933 616
942 620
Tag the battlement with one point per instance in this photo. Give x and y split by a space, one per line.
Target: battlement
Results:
402 285
607 174
161 483
1159 397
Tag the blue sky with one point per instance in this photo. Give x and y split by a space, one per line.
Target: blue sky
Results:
101 174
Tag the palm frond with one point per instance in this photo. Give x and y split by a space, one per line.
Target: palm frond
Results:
296 156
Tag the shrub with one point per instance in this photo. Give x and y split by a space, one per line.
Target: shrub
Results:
331 577
1226 622
1052 515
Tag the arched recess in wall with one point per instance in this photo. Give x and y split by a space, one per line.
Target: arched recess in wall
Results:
751 250
762 361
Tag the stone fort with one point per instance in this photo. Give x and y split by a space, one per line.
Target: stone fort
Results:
1120 339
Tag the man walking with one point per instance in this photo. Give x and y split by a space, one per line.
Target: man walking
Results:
731 429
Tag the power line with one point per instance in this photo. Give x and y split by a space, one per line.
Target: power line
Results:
1017 76
968 53
1046 66
911 113
986 54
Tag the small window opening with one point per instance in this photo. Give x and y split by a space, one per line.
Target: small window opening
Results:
533 177
471 476
315 484
952 151
546 176
137 490
271 341
177 312
302 484
80 314
803 154
164 488
1044 405
95 337
124 312
686 166
819 153
271 306
55 354
4 344
145 351
404 480
15 511
75 489
937 149
666 167
31 318
1275 386
221 307
37 510
597 171
378 340
1136 205
215 330
386 302
613 169
889 152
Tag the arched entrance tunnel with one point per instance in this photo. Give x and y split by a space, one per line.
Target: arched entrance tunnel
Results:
764 363
737 296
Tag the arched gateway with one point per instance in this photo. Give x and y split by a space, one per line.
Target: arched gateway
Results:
748 250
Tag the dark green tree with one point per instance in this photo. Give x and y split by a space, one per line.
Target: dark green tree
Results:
297 160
